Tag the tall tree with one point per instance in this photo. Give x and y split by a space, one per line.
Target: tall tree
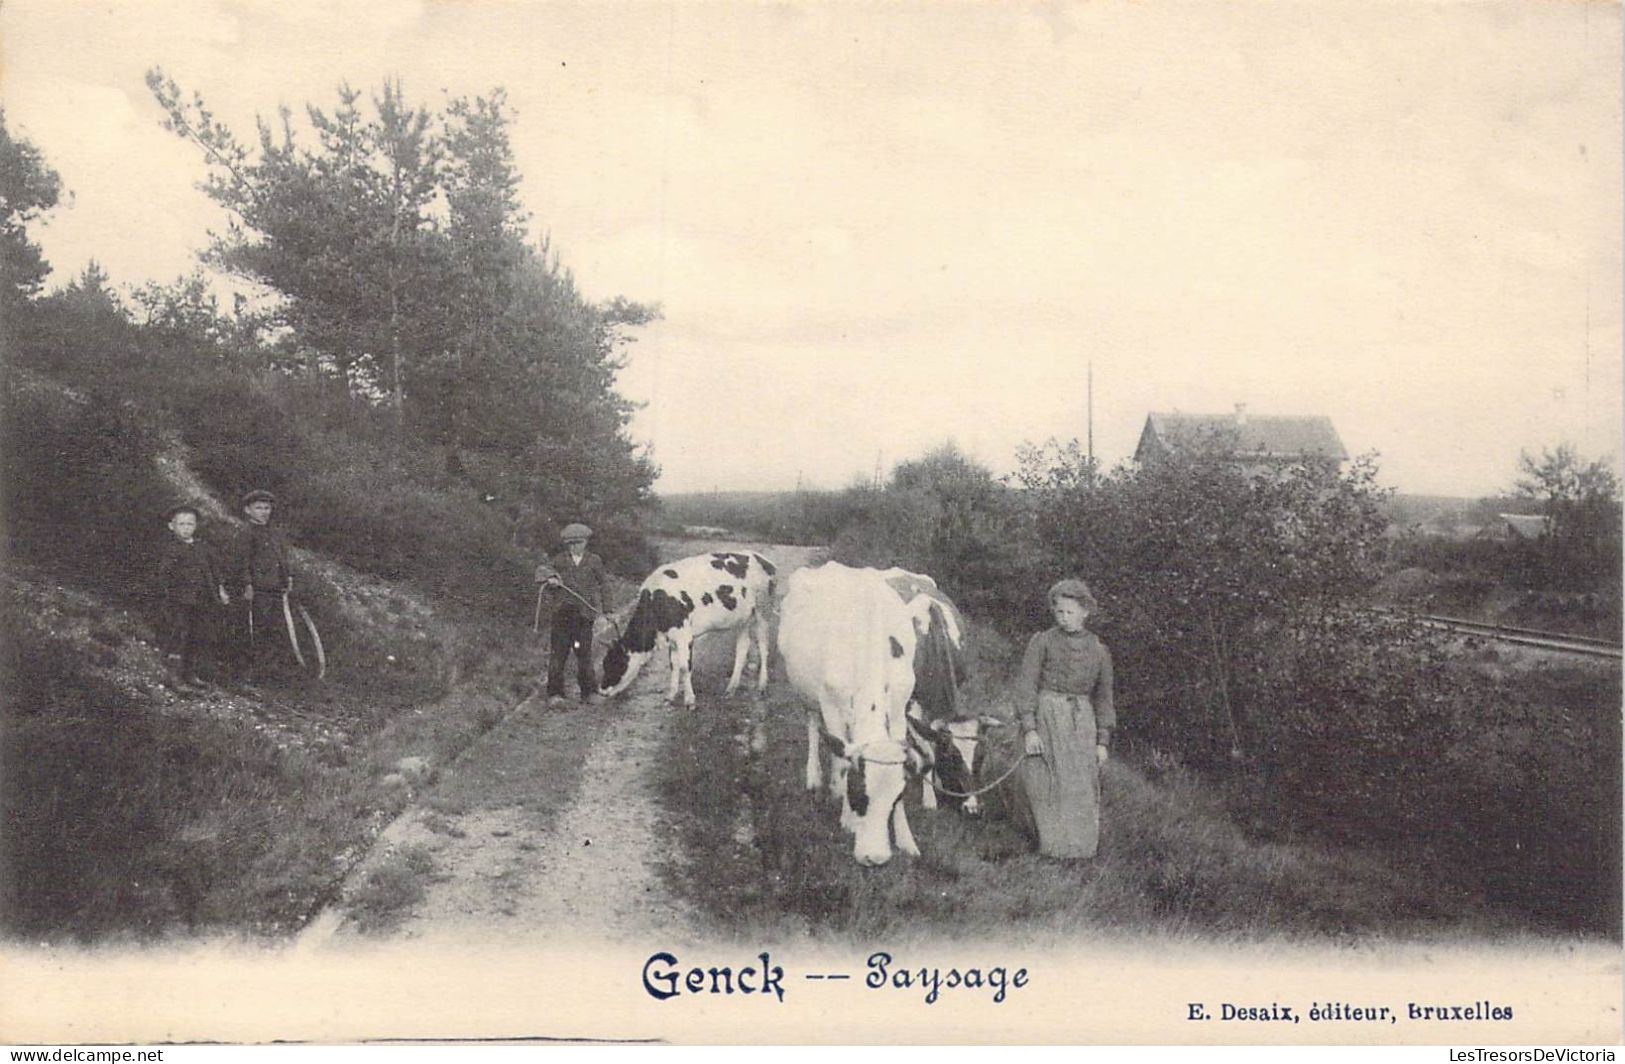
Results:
341 230
398 243
1581 498
485 231
29 188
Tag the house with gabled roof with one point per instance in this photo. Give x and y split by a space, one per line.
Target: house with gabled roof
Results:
1514 527
1268 440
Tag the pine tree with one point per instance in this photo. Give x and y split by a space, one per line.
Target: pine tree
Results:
28 189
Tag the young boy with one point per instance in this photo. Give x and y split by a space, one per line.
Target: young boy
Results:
189 582
580 589
260 568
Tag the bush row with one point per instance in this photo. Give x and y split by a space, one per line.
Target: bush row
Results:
1232 604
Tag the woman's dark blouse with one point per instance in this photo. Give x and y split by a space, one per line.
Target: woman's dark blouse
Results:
1071 665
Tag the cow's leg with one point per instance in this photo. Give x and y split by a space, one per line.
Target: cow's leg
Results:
675 668
838 768
849 819
763 634
968 741
683 653
901 831
815 758
741 652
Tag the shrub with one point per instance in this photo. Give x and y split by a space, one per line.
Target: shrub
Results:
105 802
241 437
82 494
1231 602
1535 792
945 515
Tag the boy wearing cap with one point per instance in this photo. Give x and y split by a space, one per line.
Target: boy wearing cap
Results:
580 587
189 582
260 568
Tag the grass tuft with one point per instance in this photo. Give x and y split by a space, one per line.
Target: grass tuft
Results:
388 892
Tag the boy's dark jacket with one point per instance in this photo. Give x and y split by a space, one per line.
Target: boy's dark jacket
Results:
260 558
187 572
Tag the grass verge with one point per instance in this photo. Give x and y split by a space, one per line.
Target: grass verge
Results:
390 888
766 859
134 813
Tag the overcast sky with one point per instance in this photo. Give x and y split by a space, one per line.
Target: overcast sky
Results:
875 227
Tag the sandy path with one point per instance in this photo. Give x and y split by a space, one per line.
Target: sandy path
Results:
494 863
597 871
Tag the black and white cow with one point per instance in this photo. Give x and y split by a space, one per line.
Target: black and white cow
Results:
683 600
936 713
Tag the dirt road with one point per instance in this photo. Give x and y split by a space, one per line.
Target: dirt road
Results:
494 847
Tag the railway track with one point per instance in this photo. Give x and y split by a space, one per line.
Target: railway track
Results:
1589 646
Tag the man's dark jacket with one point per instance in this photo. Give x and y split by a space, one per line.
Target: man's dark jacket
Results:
260 559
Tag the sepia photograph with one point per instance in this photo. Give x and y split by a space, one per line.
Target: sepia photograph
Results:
1058 523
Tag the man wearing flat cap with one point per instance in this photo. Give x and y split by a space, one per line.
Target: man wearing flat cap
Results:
579 586
261 574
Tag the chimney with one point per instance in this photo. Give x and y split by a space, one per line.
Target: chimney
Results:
1241 415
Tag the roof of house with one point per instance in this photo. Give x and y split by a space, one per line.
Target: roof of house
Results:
1262 435
1529 526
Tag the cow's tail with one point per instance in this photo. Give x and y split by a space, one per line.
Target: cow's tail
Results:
769 571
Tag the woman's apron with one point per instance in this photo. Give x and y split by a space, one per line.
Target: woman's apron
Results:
1062 786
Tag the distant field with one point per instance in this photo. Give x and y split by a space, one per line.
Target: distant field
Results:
804 517
753 507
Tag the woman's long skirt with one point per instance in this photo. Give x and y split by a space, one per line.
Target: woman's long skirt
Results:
1062 786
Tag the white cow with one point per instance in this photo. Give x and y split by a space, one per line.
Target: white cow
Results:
680 601
849 639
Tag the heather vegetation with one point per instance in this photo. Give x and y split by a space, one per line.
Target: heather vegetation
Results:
429 396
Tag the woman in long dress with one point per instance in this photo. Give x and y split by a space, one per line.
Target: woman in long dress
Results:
1064 699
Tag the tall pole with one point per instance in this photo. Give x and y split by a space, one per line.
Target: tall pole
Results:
1091 420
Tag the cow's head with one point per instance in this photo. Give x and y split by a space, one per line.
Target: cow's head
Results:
876 775
614 666
655 612
953 750
957 750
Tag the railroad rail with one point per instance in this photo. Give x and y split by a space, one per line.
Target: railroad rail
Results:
1531 637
